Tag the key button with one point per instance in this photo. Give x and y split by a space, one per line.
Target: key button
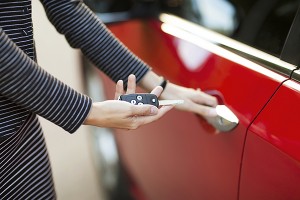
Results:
139 97
133 102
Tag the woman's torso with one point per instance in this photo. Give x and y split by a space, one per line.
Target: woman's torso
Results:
16 22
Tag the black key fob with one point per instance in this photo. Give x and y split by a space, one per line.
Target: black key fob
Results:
140 99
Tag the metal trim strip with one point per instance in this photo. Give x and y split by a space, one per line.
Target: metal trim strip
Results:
259 57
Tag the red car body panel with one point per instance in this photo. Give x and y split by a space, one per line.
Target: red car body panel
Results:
280 119
271 167
181 156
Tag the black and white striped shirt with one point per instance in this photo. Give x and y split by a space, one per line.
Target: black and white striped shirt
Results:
26 89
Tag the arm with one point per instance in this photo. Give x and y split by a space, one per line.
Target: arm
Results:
25 83
28 85
84 30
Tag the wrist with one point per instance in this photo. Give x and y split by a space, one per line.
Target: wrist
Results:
151 80
164 83
90 117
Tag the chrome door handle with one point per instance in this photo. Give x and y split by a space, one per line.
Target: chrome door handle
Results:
225 120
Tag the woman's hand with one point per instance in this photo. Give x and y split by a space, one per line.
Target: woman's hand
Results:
124 115
194 100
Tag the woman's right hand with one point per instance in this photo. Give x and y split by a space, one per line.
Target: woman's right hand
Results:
124 115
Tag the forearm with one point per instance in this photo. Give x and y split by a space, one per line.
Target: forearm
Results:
150 80
84 30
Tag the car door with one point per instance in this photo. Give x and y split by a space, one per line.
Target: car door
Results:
229 49
271 167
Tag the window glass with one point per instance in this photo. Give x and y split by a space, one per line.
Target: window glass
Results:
267 24
263 24
218 15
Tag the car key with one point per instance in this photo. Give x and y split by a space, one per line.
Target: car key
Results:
147 98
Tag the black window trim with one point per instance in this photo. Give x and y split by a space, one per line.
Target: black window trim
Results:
291 49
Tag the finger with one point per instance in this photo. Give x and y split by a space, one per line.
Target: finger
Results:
119 89
131 85
164 109
157 91
206 111
161 112
142 120
143 110
206 99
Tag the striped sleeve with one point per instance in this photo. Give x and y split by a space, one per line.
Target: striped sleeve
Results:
28 85
84 30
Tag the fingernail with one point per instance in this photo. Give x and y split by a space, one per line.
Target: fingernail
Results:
153 110
212 112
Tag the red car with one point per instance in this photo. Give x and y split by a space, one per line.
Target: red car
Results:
246 53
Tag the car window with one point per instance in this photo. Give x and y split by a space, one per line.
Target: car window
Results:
262 24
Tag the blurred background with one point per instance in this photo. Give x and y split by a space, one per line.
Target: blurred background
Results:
73 168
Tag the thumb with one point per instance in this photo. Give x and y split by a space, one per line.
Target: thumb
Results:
144 110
